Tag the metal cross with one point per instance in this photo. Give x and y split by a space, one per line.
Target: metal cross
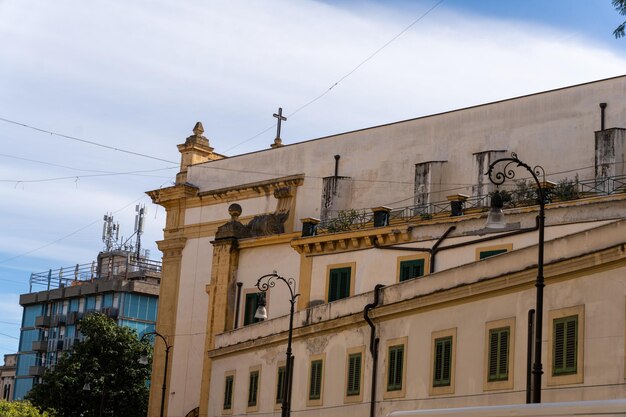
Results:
280 118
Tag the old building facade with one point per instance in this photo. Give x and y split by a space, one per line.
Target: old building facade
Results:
405 299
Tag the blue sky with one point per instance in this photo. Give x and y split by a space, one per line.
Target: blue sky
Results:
138 75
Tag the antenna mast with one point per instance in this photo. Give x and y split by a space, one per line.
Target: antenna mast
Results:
110 232
141 211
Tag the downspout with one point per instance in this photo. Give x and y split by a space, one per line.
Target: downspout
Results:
435 248
373 345
239 285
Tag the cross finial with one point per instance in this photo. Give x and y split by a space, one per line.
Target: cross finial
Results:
280 118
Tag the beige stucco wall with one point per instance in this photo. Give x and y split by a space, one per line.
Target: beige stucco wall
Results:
601 293
382 160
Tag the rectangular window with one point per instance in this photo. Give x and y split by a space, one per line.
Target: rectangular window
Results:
228 392
394 372
339 284
253 388
315 383
489 253
565 346
411 269
280 385
499 342
443 362
251 304
354 374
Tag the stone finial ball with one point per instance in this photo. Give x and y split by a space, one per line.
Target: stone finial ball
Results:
234 210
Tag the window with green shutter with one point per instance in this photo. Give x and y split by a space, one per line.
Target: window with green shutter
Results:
489 253
315 384
280 385
251 304
354 374
228 392
339 284
411 269
443 362
499 342
253 388
565 348
394 372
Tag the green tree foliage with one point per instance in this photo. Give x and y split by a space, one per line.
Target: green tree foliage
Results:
108 361
20 409
620 6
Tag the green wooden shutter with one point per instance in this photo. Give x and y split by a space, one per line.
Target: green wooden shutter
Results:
443 362
253 388
411 269
499 354
354 374
280 386
228 392
339 284
394 373
315 384
565 346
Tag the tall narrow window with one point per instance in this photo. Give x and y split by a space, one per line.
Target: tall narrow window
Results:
411 269
354 375
339 283
228 392
443 362
280 384
251 304
565 346
499 342
315 383
253 388
396 365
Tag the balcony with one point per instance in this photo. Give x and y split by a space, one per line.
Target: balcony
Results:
36 370
40 345
42 321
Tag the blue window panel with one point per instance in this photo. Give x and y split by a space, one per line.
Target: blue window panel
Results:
70 331
30 313
74 304
25 361
107 300
152 309
90 303
143 308
22 386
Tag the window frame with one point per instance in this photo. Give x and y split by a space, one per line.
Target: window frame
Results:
574 377
489 385
254 407
353 398
421 257
507 247
436 336
401 341
329 269
316 402
278 404
227 375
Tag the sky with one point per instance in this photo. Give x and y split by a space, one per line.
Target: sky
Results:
136 76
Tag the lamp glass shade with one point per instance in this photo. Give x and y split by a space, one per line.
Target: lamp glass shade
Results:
495 219
86 387
261 312
143 359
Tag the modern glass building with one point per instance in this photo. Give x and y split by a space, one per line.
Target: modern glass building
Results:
118 284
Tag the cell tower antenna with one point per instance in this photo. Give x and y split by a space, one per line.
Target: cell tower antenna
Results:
141 211
110 232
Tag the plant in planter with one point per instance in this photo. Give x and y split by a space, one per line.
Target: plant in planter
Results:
566 190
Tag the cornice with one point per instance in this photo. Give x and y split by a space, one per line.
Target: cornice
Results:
252 189
164 196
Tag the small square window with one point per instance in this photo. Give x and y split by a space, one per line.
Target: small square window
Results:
411 269
339 283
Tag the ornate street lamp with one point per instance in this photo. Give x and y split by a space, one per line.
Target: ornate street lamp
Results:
499 178
143 359
263 284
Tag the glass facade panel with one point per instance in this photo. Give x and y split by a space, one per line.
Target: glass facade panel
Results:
22 386
27 338
90 303
107 300
30 313
74 304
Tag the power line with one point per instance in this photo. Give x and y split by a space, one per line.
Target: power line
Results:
90 142
352 71
8 335
77 177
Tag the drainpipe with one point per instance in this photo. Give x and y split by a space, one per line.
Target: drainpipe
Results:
435 248
373 345
602 109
